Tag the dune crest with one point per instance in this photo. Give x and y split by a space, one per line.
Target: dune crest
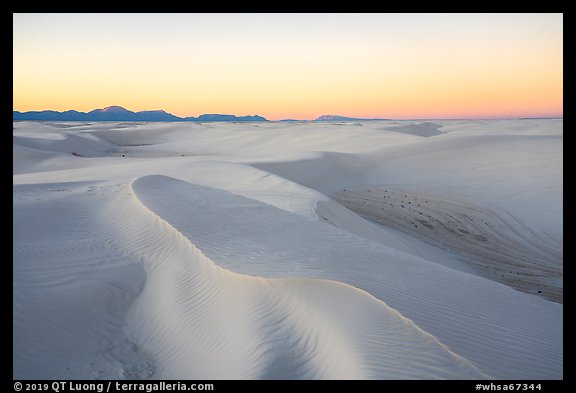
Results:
230 251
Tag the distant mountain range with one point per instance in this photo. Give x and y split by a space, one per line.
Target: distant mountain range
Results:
342 118
117 113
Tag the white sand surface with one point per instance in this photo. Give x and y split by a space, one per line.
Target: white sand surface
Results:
282 250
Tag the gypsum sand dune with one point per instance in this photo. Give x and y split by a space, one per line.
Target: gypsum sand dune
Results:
459 309
496 247
493 201
519 346
181 315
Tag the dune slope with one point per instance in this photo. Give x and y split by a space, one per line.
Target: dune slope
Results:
170 323
246 251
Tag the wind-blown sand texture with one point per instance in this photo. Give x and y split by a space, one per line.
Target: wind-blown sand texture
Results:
366 250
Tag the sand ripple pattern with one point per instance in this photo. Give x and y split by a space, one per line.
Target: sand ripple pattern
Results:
252 238
123 293
274 328
494 244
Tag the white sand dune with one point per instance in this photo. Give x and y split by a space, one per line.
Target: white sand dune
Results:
421 129
494 246
162 309
215 251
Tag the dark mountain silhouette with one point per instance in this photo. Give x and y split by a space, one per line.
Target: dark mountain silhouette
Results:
117 113
112 113
341 118
49 115
217 117
159 115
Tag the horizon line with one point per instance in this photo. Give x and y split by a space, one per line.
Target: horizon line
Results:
352 118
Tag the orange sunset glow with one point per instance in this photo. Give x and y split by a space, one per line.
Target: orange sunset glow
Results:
292 65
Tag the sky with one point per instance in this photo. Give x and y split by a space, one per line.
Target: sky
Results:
297 66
